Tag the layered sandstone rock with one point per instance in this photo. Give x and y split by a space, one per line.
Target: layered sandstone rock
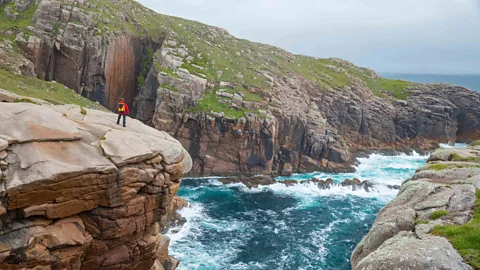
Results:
79 192
401 235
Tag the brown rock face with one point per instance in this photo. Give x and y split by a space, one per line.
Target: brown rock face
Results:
75 195
65 48
123 62
315 130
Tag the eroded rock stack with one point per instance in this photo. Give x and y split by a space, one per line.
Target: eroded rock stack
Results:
77 192
443 192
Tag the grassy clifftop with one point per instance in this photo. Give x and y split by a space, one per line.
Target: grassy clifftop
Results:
226 58
51 92
211 52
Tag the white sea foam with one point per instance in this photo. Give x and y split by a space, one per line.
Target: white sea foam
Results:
187 245
457 145
320 238
194 255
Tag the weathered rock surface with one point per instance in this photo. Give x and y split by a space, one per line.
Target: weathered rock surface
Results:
79 192
293 123
314 129
399 238
66 46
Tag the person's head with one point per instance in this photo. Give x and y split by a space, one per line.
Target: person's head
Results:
122 100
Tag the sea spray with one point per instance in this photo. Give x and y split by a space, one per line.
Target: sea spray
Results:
284 227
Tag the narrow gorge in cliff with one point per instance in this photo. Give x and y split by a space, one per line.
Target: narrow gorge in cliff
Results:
236 154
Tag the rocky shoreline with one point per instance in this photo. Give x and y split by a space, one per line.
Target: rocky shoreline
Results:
407 233
265 180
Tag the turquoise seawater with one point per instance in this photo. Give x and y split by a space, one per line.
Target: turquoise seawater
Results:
469 81
278 227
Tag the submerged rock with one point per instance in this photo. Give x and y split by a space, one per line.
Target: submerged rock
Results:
254 181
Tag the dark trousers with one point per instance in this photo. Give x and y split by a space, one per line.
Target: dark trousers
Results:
124 119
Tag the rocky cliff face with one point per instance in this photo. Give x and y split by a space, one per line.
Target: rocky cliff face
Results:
78 192
407 232
312 130
65 43
238 107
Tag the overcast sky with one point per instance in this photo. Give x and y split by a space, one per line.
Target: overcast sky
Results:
410 36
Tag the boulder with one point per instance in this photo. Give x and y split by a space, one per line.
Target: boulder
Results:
250 182
82 192
406 251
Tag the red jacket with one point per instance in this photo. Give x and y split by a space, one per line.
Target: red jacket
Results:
127 110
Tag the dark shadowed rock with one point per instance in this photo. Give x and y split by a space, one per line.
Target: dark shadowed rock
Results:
254 181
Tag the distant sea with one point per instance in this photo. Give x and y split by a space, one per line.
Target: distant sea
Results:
469 81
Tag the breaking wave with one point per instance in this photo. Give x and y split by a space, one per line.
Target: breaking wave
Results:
284 227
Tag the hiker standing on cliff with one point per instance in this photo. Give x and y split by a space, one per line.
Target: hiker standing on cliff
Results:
123 110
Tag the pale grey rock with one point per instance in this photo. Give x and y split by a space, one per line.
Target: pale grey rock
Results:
124 147
474 180
224 94
40 161
40 124
184 70
197 66
237 99
449 153
406 251
3 145
187 162
3 154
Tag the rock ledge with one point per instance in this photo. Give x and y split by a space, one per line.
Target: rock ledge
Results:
79 192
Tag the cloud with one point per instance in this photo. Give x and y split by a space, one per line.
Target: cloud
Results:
398 36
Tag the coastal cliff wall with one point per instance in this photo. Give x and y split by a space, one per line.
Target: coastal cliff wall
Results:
314 129
78 192
239 107
66 45
433 221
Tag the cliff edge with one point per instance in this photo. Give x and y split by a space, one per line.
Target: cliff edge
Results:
238 107
79 192
433 223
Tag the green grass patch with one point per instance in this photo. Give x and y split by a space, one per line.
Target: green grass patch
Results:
169 87
456 157
249 96
24 100
146 65
437 167
465 238
444 166
475 143
23 21
386 87
418 222
438 214
211 103
51 92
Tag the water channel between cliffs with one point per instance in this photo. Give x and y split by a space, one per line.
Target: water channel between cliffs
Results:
279 227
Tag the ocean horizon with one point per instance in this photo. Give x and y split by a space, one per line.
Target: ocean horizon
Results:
470 81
